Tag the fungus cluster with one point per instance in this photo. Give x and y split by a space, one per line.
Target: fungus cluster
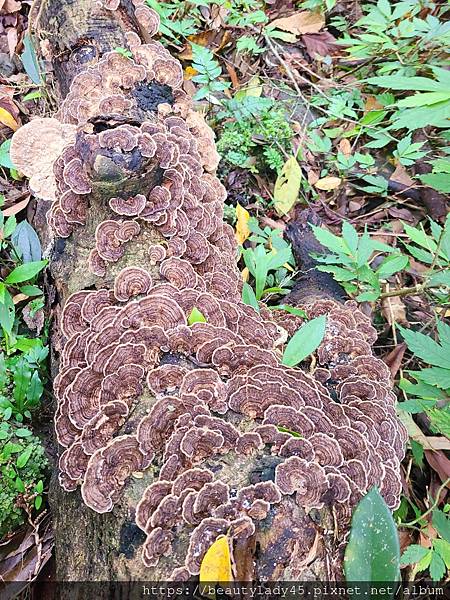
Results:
139 386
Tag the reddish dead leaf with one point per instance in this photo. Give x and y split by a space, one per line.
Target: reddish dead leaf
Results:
372 104
10 6
400 175
300 23
233 76
439 463
12 38
16 208
393 309
313 177
345 147
394 359
321 44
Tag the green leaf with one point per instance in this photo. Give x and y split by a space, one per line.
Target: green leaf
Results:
248 296
29 61
435 376
418 452
287 186
437 181
413 554
39 487
26 242
424 99
23 433
7 313
5 159
392 264
305 341
38 502
350 236
396 82
437 567
23 458
373 551
425 348
443 549
329 240
441 522
25 272
196 317
19 485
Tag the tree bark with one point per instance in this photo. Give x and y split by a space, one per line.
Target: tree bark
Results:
292 542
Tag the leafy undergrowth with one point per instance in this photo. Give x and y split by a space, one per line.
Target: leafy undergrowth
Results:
340 106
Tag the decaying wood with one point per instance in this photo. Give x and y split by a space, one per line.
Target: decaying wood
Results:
293 541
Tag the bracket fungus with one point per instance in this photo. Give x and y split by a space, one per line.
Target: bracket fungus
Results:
142 390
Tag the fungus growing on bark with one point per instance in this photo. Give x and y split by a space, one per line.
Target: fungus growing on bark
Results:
129 207
131 282
108 470
306 479
215 389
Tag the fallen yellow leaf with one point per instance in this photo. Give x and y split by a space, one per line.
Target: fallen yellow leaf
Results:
300 22
287 186
245 274
242 228
7 119
216 565
189 73
328 183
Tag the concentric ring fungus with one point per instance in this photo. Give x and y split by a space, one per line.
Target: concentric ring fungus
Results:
138 386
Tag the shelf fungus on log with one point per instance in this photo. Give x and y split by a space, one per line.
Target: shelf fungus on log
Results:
183 432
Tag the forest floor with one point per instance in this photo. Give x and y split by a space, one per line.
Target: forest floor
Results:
339 106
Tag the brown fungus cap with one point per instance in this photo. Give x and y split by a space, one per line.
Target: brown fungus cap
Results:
131 282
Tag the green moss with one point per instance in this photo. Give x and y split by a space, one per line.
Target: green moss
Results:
257 142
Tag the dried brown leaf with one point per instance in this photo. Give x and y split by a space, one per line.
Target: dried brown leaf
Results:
300 23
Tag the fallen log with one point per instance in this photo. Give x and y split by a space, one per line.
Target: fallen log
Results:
172 433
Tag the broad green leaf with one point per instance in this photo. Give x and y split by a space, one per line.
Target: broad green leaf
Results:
23 458
23 433
26 242
7 312
392 264
437 567
435 376
425 348
413 554
396 82
329 240
350 236
25 272
38 502
19 485
373 550
305 341
30 62
248 296
424 99
196 317
287 186
441 522
443 549
437 181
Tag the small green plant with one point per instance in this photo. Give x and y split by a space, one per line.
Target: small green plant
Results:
267 264
352 258
256 135
436 557
432 249
23 468
396 33
21 382
209 71
433 382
